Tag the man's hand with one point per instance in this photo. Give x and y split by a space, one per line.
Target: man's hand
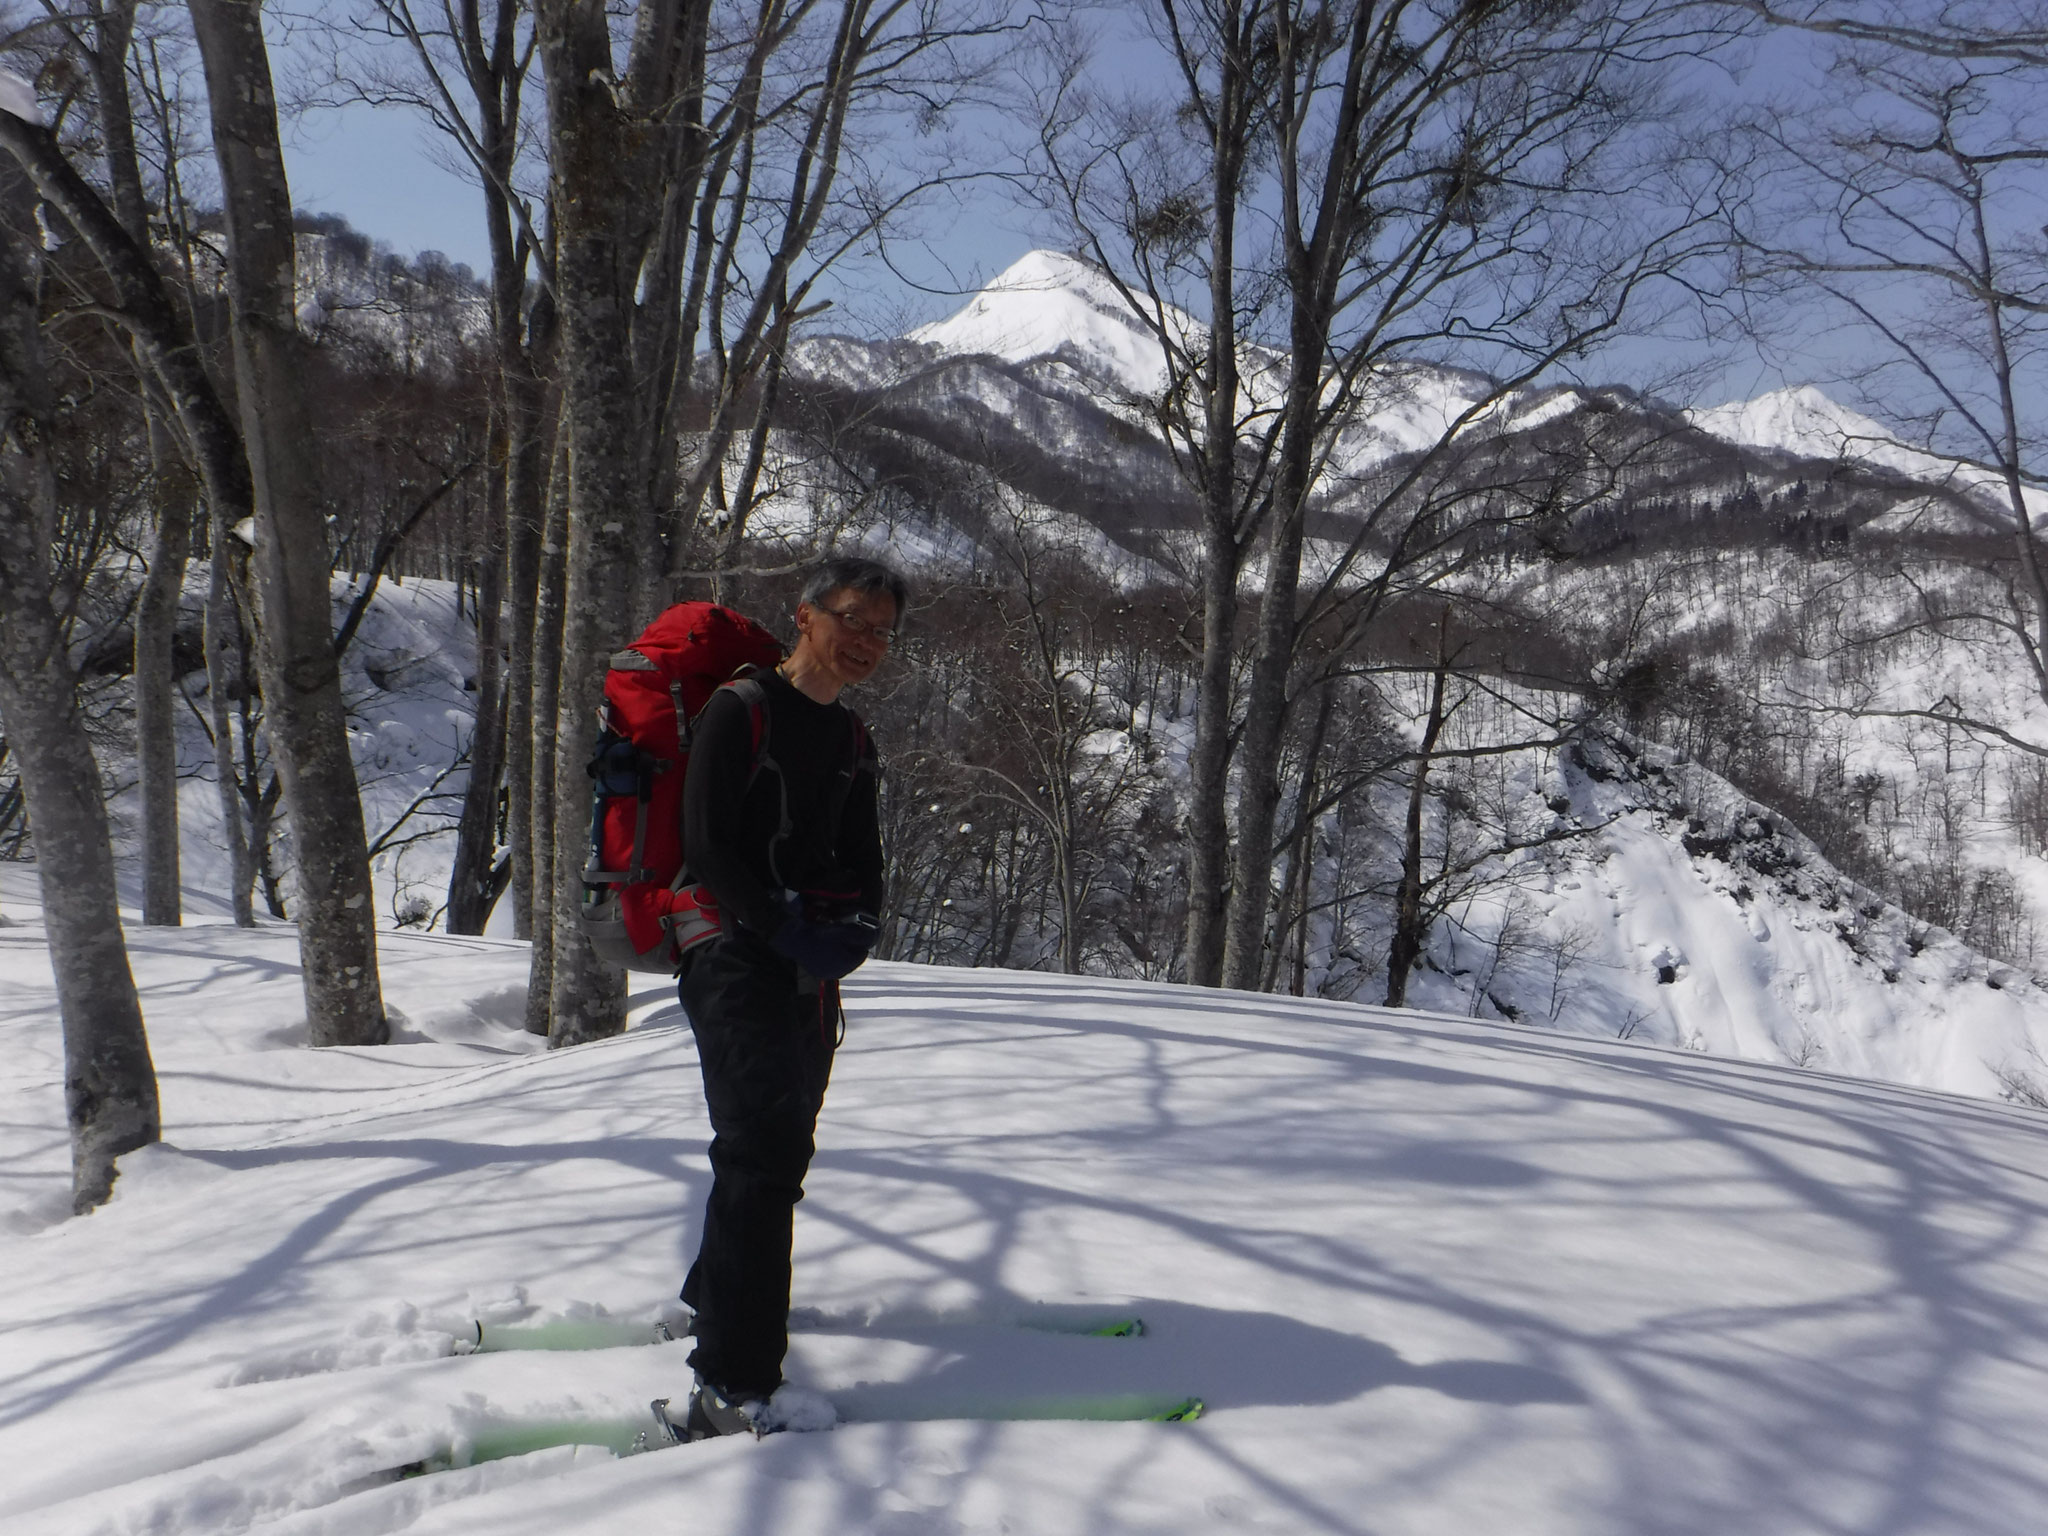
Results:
827 950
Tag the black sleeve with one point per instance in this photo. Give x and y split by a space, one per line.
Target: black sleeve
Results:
860 834
714 823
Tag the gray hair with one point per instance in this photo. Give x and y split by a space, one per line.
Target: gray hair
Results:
851 573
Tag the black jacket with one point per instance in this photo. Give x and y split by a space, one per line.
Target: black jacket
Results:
818 763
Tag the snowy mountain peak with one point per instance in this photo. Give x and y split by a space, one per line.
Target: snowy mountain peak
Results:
1804 421
1048 304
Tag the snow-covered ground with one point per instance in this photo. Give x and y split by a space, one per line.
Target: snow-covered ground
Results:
1428 1275
1688 915
409 678
1745 944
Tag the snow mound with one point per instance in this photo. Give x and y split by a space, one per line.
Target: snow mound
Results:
796 1409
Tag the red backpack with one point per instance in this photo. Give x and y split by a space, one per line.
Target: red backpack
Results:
638 909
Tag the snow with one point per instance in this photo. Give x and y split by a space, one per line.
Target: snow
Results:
18 98
408 679
1804 421
1429 1275
1053 311
1796 968
1772 955
1045 303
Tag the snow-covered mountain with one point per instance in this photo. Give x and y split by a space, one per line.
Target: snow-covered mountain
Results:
1046 304
1805 423
1047 308
1039 382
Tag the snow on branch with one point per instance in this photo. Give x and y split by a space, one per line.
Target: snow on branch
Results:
18 97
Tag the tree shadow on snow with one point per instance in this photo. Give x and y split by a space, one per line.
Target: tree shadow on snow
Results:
1808 1303
1001 1356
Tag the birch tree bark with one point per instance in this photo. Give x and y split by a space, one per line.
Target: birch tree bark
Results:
110 1095
105 51
304 710
605 158
547 674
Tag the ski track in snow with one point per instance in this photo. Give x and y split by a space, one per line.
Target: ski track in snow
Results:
1429 1275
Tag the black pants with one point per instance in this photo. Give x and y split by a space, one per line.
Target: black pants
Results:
765 1047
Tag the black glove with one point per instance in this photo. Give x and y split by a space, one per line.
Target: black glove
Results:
827 950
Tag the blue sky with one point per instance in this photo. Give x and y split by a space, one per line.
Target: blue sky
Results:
388 172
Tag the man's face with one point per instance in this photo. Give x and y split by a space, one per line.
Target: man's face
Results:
845 631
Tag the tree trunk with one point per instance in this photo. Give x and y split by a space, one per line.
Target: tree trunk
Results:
156 734
156 614
1296 884
600 154
524 512
547 673
474 882
110 1097
1208 828
1411 925
110 1094
522 332
1266 702
303 706
223 670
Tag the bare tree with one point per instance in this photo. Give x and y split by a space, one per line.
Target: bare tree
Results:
1056 755
697 201
102 41
2011 31
110 1092
1909 200
465 65
1444 183
162 331
304 710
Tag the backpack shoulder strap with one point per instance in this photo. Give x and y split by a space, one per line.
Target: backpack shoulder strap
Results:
747 684
865 759
864 762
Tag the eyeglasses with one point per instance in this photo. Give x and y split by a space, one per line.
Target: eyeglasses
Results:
861 626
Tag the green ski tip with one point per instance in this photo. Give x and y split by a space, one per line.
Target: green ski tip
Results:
500 1440
1187 1408
1118 1328
567 1333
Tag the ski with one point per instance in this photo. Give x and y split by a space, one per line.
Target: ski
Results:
578 1333
1111 1408
563 1333
501 1440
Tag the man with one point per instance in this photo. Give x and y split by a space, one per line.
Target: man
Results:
781 829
